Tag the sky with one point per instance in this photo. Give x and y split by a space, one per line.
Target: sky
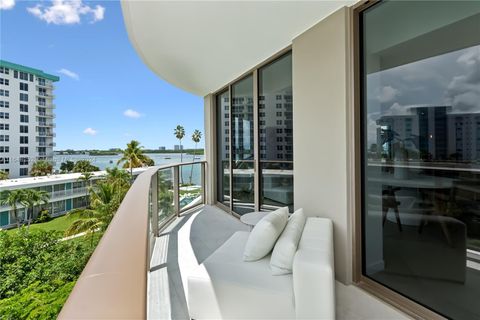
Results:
451 79
106 95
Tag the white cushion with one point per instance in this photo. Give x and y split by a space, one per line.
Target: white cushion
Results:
265 234
226 287
286 246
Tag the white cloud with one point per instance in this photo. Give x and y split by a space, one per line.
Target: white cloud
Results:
7 4
66 12
387 94
130 113
463 91
69 73
90 131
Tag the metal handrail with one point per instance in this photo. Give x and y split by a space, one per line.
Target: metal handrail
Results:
113 284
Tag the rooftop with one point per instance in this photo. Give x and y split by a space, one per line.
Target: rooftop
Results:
58 178
37 72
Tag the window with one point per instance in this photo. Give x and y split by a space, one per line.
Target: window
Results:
23 129
223 145
24 161
4 126
4 161
23 76
23 172
4 104
15 74
4 149
31 77
23 97
4 138
4 70
4 115
23 107
4 93
274 188
420 168
4 81
42 101
23 86
41 81
23 139
23 150
23 118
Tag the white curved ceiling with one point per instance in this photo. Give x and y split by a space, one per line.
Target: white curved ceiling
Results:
199 46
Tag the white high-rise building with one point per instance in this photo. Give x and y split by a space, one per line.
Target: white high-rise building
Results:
26 117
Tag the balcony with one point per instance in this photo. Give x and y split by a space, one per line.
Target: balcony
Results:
46 124
114 284
46 134
45 114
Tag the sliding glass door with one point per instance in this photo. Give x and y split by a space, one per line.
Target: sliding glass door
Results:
420 110
276 133
243 159
255 140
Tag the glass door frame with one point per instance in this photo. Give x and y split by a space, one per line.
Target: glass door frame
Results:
256 162
356 147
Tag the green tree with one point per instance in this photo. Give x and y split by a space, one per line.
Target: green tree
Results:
105 200
179 133
67 166
133 157
31 199
13 198
86 177
38 272
196 137
41 168
118 177
3 175
84 166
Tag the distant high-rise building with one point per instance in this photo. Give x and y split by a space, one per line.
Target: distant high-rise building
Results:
162 148
177 147
26 117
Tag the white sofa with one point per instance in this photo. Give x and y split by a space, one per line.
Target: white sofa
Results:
226 287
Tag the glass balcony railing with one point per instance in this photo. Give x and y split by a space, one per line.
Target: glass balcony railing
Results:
119 267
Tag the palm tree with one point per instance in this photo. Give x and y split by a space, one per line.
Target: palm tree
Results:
196 137
3 175
118 177
85 177
13 198
41 168
133 157
179 133
105 200
33 198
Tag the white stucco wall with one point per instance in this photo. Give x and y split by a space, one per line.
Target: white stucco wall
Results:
321 103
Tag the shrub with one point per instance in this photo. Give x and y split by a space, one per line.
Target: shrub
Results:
38 272
43 216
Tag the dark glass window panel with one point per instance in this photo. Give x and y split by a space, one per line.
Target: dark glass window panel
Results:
275 92
276 185
242 119
243 187
421 151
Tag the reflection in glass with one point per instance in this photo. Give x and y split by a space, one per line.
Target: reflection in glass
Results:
277 185
166 207
275 133
275 110
243 146
243 187
223 148
191 193
421 156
